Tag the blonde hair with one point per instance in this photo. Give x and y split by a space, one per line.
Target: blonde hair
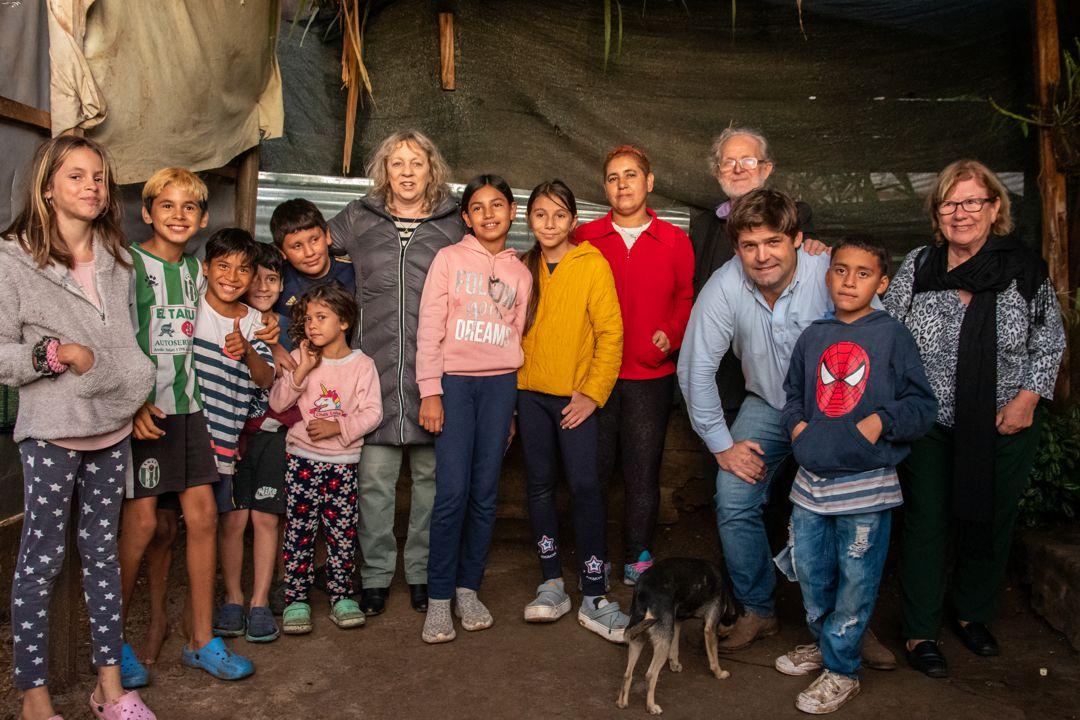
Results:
436 191
180 178
959 170
35 226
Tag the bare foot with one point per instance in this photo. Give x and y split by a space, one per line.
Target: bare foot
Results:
156 634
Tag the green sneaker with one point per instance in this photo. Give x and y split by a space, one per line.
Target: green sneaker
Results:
296 620
347 614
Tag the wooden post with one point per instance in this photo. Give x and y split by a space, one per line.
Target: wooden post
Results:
247 188
1051 180
65 623
26 114
446 49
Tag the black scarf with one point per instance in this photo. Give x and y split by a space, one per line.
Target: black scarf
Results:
990 271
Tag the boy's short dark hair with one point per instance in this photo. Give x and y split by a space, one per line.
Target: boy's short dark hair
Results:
866 244
230 240
269 257
337 298
293 216
763 208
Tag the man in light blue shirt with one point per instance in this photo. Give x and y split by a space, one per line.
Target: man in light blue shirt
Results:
757 304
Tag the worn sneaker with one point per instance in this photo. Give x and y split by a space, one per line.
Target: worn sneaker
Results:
803 660
603 617
551 602
296 620
229 621
827 694
438 623
473 613
261 625
632 571
346 614
748 628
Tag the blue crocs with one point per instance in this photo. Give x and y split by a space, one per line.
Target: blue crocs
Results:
133 674
216 659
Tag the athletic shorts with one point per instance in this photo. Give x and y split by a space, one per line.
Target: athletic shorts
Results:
182 458
259 483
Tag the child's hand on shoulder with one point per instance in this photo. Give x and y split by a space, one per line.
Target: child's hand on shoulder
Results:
236 345
323 429
78 358
143 425
271 330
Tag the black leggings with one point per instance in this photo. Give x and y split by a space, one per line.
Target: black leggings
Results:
634 421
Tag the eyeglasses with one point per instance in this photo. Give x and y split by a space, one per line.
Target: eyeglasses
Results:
971 205
746 163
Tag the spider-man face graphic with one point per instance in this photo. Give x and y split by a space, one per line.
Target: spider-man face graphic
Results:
842 374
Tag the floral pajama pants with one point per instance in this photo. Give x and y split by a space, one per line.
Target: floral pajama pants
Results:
315 492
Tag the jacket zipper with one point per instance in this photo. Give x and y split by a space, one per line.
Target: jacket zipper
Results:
401 333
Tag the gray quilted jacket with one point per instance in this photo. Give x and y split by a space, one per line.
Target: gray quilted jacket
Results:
392 278
35 302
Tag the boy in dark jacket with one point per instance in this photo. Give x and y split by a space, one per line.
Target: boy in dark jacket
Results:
857 396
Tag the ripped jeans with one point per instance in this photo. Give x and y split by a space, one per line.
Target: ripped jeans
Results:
837 561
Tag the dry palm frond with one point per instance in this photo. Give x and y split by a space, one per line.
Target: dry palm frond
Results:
354 74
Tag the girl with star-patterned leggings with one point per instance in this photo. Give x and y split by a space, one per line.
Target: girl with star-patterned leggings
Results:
67 344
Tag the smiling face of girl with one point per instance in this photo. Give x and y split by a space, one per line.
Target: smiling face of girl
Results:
77 190
551 222
488 215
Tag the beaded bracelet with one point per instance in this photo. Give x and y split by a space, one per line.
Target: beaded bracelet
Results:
52 358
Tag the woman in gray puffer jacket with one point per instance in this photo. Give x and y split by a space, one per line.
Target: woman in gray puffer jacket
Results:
391 237
67 343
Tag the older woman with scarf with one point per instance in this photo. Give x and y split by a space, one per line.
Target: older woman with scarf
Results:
987 322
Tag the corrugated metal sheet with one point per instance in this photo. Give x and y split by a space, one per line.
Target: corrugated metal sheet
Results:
331 194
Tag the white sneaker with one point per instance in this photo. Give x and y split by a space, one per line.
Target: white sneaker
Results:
803 660
827 694
551 602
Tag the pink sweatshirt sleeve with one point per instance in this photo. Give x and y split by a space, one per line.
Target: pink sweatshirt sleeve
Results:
366 401
431 330
284 394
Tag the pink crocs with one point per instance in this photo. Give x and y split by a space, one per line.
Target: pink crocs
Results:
128 707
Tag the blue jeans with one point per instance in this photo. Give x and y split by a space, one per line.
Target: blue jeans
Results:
838 561
739 508
468 459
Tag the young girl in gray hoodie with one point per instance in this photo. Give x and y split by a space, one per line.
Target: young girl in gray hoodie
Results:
67 344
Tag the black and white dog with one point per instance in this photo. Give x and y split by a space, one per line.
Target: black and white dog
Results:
669 592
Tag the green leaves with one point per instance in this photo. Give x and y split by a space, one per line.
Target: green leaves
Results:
1054 490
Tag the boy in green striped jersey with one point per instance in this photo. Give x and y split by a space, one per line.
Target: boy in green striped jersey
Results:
171 446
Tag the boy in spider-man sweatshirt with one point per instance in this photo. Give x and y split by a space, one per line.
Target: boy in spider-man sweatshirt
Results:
857 396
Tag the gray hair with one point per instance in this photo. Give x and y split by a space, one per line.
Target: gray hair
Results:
730 132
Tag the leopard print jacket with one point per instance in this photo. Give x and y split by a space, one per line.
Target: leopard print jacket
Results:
1029 355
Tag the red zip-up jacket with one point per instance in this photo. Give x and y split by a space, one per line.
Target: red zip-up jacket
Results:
655 283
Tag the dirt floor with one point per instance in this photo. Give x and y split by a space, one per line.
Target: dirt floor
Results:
518 670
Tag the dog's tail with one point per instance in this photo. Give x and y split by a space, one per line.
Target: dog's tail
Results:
639 624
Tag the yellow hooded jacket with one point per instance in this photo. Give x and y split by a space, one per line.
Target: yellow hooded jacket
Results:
575 342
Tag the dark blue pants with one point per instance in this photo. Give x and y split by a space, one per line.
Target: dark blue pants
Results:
543 440
468 459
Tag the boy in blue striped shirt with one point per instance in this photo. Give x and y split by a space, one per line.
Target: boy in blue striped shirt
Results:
857 396
230 365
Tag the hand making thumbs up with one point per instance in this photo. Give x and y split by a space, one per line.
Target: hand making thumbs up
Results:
236 346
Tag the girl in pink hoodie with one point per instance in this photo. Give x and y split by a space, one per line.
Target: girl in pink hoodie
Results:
337 391
468 350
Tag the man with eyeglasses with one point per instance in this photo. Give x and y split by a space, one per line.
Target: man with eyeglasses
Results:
740 162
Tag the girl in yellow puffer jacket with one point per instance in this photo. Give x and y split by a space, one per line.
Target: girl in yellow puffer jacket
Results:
573 349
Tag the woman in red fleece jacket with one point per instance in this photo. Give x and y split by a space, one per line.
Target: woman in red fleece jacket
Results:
653 265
